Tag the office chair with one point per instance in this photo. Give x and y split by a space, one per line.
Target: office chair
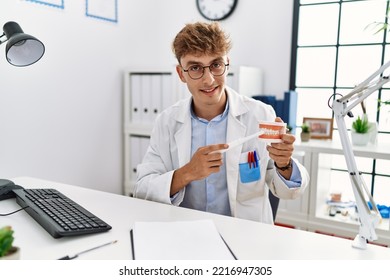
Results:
274 203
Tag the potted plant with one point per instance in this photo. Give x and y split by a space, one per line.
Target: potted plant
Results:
7 250
305 133
289 129
360 131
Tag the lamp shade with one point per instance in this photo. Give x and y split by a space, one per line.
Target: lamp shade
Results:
21 49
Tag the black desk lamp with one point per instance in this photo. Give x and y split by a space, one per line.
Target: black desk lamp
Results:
21 49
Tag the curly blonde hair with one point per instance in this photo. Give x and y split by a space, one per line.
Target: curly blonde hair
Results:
201 38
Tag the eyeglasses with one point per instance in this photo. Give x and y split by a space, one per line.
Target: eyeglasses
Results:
196 71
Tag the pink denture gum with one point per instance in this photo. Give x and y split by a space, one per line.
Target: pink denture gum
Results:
272 131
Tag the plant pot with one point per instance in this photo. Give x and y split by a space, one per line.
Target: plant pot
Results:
373 131
13 254
360 139
305 136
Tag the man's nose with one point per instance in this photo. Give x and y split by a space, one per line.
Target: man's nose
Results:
207 75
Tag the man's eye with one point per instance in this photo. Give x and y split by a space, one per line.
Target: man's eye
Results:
216 65
195 68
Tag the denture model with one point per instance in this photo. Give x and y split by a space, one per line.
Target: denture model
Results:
272 131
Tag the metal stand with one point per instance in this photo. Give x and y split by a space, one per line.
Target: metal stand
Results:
341 107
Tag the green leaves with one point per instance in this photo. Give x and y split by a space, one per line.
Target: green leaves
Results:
305 127
377 26
361 125
6 240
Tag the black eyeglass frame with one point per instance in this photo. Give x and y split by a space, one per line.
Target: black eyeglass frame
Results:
207 66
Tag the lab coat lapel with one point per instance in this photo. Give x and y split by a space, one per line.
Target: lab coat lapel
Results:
184 147
236 129
184 132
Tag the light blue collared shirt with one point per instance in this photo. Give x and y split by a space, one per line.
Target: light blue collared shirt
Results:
209 194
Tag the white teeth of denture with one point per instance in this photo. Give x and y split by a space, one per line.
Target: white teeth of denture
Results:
270 131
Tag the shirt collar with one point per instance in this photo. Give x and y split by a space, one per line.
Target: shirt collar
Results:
218 118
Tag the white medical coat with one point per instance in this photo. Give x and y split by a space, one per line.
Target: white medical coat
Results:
170 149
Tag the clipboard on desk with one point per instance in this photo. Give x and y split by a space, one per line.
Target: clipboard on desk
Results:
178 240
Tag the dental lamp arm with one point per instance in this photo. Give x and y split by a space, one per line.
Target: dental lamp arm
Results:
368 219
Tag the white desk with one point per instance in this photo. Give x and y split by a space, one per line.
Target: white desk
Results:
248 240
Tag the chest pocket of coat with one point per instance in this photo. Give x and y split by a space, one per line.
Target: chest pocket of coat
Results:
249 167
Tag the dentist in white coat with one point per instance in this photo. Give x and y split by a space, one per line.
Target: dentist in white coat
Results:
182 165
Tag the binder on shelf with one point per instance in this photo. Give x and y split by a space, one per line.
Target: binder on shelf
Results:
138 148
166 91
290 107
279 110
135 155
135 97
267 99
146 96
155 96
285 108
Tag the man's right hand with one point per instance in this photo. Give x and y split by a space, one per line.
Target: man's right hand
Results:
201 165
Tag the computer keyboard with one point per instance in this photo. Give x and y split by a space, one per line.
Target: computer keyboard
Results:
57 214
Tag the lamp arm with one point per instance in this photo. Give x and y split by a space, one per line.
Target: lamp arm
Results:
368 219
363 85
3 40
359 96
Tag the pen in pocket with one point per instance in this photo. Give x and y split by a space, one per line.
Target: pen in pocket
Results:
256 160
252 159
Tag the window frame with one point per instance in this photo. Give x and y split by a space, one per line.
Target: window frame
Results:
334 88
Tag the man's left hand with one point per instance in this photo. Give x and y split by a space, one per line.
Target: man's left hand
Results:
281 153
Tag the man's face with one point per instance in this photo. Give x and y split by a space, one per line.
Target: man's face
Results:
208 89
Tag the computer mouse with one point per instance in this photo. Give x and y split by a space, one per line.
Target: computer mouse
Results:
6 189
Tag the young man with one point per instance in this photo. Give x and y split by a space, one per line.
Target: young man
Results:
183 165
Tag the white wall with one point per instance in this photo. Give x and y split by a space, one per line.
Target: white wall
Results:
61 118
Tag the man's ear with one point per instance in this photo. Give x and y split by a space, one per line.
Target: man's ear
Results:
179 71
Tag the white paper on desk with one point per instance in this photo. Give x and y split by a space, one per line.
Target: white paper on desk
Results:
181 240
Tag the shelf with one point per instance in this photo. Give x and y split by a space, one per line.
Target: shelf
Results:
325 163
140 129
351 218
377 151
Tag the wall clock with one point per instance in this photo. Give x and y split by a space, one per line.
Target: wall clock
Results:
216 9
